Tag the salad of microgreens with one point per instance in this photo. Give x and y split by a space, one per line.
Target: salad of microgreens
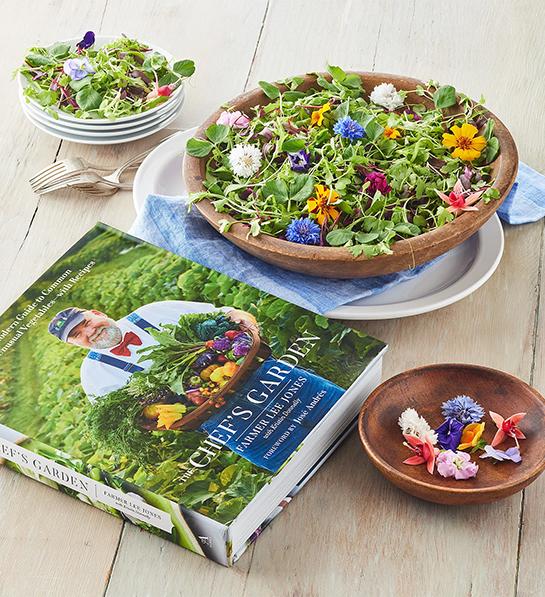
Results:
122 78
335 166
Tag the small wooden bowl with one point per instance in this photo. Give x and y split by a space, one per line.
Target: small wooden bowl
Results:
425 389
338 262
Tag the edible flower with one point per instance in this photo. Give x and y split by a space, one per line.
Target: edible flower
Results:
412 114
348 128
377 182
463 409
512 454
387 96
449 434
317 117
423 452
78 68
456 464
304 231
392 132
299 161
466 145
323 204
235 120
245 160
163 91
87 41
168 414
471 436
458 201
412 423
507 428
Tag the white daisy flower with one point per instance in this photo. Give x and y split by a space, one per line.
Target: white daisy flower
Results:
245 160
386 95
412 423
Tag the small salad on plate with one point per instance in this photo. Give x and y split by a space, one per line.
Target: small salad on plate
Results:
123 77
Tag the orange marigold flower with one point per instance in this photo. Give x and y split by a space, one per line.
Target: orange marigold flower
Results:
392 132
317 117
322 204
466 145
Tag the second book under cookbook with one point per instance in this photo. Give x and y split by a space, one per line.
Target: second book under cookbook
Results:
171 395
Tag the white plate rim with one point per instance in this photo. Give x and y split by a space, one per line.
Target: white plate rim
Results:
481 269
103 139
134 128
109 128
101 40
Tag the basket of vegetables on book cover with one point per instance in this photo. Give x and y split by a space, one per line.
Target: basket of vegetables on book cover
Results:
350 174
197 364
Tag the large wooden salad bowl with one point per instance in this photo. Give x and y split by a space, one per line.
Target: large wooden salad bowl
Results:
334 262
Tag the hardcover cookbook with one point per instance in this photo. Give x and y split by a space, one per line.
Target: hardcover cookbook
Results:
186 402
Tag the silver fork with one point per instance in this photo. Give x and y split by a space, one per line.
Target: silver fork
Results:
65 169
89 179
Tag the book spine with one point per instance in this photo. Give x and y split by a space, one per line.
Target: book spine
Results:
141 507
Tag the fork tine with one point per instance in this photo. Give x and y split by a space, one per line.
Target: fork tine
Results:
54 178
52 168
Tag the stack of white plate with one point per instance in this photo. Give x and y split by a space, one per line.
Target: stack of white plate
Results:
101 131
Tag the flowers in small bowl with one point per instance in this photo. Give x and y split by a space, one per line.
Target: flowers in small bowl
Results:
448 448
368 168
121 78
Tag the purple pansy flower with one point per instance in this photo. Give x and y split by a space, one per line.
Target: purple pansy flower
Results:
303 231
512 454
377 182
87 41
410 112
449 434
78 68
299 161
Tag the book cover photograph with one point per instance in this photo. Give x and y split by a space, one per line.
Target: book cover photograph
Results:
171 395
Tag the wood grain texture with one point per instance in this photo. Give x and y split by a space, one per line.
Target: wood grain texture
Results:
349 532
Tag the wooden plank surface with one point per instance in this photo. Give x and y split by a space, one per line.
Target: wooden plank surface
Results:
348 532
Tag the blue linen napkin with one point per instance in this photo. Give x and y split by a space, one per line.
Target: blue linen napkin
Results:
166 222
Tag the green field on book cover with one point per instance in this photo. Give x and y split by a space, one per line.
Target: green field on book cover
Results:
165 381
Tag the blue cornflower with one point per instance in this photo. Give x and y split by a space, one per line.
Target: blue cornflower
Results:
349 129
304 231
463 409
299 161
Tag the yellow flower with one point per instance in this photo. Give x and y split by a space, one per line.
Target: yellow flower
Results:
392 132
322 204
317 117
471 435
466 145
168 414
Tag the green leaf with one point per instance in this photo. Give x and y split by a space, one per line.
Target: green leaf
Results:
184 68
77 85
301 188
270 90
292 96
277 188
342 110
255 228
337 73
445 97
292 145
217 133
224 226
59 50
322 322
337 238
352 81
198 148
88 98
492 150
366 237
373 130
37 59
488 129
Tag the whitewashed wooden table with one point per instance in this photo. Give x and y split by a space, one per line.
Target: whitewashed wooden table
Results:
349 532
